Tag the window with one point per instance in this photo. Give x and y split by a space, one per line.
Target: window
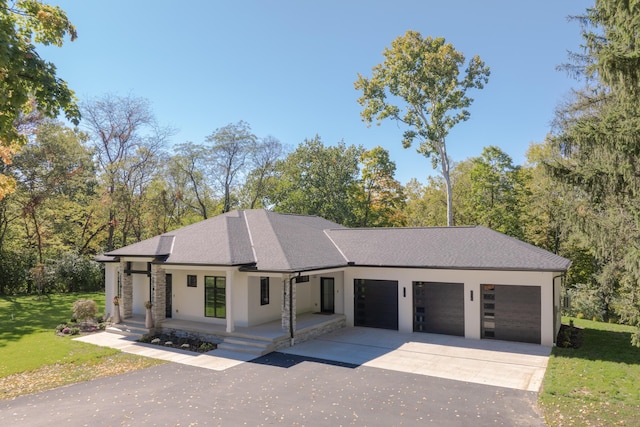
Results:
192 281
215 297
264 290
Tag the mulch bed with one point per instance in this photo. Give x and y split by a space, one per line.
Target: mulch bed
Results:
188 343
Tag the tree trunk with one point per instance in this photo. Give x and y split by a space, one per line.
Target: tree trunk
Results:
445 169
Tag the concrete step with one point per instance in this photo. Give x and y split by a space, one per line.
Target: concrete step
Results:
127 330
246 345
247 342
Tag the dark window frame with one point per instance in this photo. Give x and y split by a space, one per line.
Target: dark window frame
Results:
264 290
190 278
216 285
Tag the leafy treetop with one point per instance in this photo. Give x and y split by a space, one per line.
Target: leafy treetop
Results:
28 82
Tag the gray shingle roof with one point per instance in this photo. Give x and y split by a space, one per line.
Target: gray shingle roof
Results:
271 241
443 247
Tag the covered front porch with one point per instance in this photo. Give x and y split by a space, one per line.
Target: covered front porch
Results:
257 340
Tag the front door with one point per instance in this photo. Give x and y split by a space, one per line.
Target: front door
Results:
168 294
327 299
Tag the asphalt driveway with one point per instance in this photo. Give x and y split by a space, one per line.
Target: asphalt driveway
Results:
278 389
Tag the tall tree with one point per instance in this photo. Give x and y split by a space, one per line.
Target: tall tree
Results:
56 181
127 141
319 180
496 186
29 81
598 138
187 175
426 74
263 160
382 195
232 145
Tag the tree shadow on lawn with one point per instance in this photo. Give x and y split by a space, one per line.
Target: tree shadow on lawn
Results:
609 346
20 316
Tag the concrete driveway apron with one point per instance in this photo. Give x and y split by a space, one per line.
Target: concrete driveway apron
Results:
513 365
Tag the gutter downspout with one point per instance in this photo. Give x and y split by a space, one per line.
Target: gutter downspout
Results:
553 301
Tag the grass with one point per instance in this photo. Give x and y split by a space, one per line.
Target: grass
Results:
33 358
596 384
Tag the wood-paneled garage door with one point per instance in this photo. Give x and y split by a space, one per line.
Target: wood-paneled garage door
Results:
438 308
511 313
376 303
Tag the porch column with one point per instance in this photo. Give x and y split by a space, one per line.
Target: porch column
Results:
126 281
158 293
231 324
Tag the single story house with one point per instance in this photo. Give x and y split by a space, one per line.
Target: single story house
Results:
247 268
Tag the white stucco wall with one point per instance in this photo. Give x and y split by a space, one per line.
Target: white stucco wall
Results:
472 280
110 285
140 284
245 307
258 313
188 302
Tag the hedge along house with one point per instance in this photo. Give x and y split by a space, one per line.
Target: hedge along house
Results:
244 270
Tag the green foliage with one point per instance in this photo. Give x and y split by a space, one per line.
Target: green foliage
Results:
612 44
587 301
491 186
426 75
73 273
426 205
598 143
29 82
319 180
382 199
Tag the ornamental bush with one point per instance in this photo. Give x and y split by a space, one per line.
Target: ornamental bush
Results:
85 309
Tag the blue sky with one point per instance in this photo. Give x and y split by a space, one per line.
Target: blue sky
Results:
287 67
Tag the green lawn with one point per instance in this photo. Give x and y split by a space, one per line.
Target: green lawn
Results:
31 352
597 384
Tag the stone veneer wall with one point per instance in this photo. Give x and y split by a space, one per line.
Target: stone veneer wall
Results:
126 299
159 294
285 307
310 333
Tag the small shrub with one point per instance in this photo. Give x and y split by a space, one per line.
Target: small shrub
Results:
206 346
85 309
60 327
580 315
66 330
74 331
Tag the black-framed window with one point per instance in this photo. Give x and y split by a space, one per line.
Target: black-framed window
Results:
215 297
264 290
192 281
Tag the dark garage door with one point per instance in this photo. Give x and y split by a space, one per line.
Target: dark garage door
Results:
376 303
511 313
438 308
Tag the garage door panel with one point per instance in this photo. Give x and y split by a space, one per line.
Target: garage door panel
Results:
516 313
439 308
376 303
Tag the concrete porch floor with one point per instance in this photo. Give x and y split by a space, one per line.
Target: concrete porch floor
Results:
269 331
